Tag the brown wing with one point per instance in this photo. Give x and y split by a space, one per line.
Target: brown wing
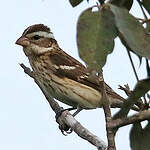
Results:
80 73
67 66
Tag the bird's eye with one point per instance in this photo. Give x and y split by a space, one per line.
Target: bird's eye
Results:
36 37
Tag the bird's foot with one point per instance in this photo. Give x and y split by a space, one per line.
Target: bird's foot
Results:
65 129
61 110
77 111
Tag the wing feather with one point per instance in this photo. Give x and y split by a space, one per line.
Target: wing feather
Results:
80 73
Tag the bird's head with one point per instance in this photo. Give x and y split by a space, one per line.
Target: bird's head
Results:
36 40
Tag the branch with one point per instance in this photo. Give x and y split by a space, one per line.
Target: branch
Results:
66 118
132 64
108 117
138 117
126 89
142 9
128 92
101 1
27 71
54 105
141 88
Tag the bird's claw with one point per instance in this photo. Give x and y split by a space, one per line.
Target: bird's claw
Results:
65 129
60 111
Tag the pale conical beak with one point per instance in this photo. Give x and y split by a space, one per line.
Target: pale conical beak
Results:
23 41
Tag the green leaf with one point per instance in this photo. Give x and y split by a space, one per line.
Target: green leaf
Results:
95 36
74 3
136 137
132 31
129 49
122 3
139 137
147 28
146 137
146 4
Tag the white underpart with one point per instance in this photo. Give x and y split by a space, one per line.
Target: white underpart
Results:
42 33
40 50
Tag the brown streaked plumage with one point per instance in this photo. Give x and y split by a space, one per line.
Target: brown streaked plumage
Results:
59 74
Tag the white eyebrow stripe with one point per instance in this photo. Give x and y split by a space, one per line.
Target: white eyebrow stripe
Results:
42 33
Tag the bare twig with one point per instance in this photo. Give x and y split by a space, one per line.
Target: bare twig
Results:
138 117
27 71
141 88
67 118
128 52
132 64
54 105
126 89
142 9
101 1
134 70
145 21
139 103
108 118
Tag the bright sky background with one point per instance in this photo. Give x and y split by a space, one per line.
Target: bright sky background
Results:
26 120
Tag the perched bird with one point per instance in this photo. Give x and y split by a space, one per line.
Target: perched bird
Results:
60 75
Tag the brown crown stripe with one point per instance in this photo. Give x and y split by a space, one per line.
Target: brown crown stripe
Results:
36 28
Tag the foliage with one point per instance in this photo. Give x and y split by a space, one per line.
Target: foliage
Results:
75 2
139 137
96 32
95 36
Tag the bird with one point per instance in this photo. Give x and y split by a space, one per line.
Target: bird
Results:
60 75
